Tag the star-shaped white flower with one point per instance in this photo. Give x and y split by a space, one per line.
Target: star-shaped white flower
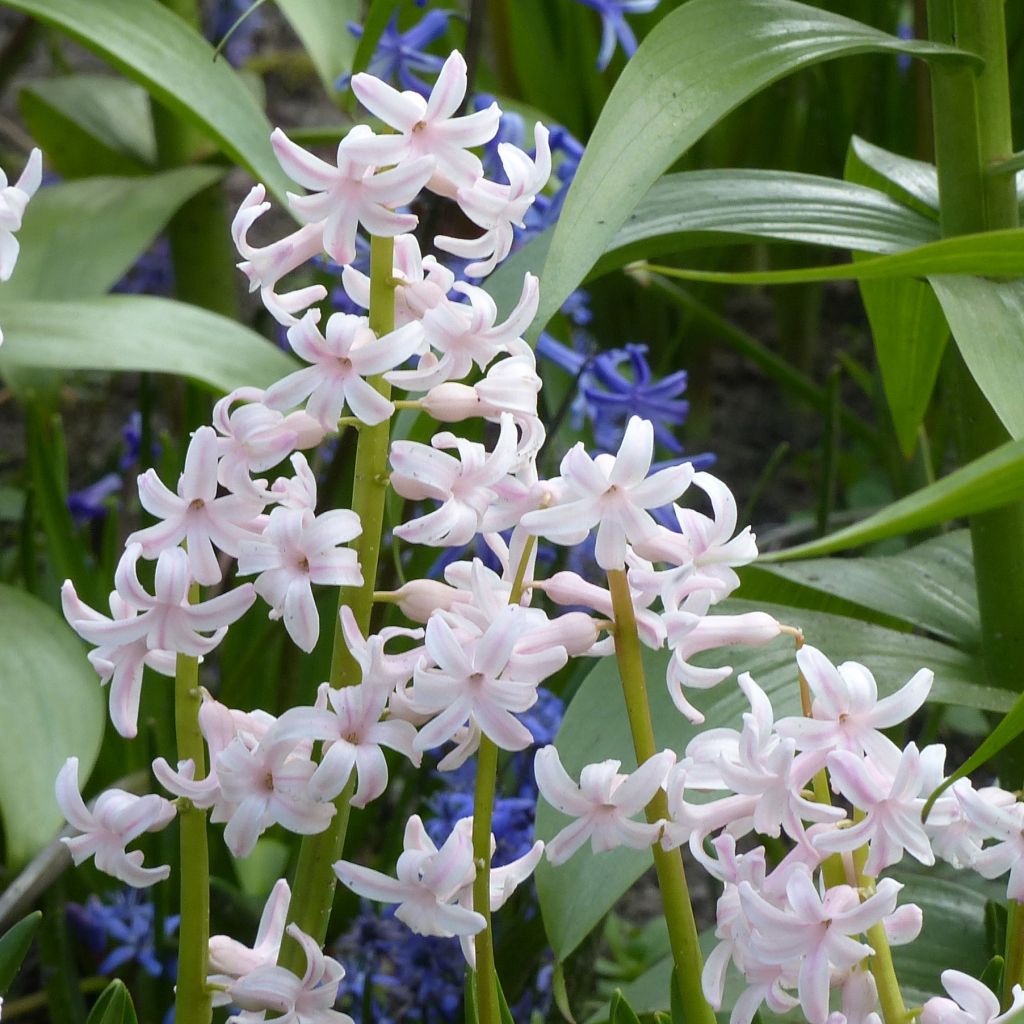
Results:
342 358
117 818
1006 825
13 200
972 1002
428 883
603 803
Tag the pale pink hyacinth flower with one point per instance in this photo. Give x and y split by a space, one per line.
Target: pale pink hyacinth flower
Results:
498 208
120 665
421 282
293 1000
350 194
466 486
892 802
1004 824
298 491
298 549
428 881
117 818
846 711
230 960
341 359
468 334
480 681
267 784
349 721
613 493
264 267
603 803
13 200
511 385
972 1002
254 438
428 127
195 513
166 620
818 932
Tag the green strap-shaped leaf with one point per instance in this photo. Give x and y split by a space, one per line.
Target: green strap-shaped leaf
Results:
53 709
114 1006
996 253
698 63
322 25
79 238
996 479
912 181
14 946
138 333
987 321
152 45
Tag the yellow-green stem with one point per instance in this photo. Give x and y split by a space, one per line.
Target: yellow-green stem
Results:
894 1010
488 1009
675 895
315 881
192 1000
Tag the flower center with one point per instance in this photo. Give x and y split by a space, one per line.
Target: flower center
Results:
302 564
196 504
419 126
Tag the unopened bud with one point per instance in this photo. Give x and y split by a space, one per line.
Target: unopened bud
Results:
451 402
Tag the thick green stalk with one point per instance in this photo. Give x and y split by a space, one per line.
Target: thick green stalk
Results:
192 999
315 881
972 122
488 1010
675 896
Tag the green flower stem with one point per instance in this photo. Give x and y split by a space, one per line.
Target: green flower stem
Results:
315 881
675 896
192 1000
483 808
488 1009
971 112
894 1010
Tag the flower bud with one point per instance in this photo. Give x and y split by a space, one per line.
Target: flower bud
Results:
452 402
418 599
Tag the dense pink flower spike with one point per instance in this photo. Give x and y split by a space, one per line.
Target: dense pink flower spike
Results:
817 932
119 664
117 818
612 492
846 711
428 127
231 961
264 267
297 550
166 620
497 208
603 803
13 200
342 358
195 513
972 1002
351 193
306 1000
428 883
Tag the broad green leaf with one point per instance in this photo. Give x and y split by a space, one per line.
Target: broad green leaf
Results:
995 479
987 321
141 333
114 1006
14 947
79 238
91 124
913 180
151 44
576 895
619 1010
926 588
322 25
997 253
907 325
768 204
53 709
699 62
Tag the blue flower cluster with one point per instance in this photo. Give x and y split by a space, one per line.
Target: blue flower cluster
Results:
394 975
615 28
93 501
121 927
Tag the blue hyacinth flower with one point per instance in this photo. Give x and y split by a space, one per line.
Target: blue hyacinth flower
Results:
615 28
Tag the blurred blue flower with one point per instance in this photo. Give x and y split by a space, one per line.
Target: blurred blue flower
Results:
400 54
219 19
125 920
614 27
91 502
152 273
